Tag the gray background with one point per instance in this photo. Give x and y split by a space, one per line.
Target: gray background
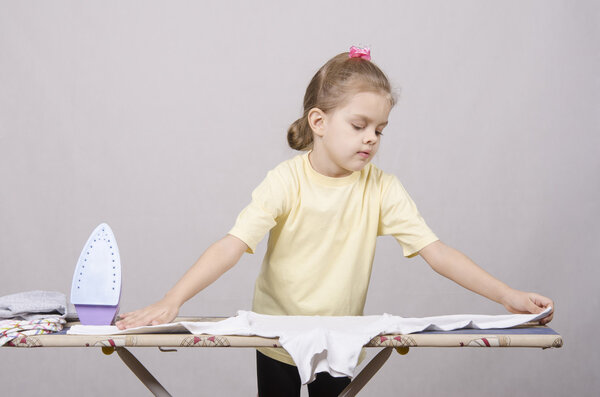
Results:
159 118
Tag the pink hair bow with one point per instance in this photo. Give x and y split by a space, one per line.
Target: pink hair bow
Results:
357 52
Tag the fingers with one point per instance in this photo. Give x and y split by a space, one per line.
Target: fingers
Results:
543 302
137 318
155 314
532 307
547 319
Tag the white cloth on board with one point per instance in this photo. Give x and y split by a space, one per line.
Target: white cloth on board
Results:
322 343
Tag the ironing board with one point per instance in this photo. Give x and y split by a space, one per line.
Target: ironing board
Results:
527 335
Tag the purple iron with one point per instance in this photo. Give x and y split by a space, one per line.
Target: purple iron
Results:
96 287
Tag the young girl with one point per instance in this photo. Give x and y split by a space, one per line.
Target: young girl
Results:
324 209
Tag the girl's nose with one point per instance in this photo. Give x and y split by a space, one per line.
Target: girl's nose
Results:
370 137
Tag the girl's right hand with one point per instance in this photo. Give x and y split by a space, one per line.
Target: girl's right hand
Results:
161 312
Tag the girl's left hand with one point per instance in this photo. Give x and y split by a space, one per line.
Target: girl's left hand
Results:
520 302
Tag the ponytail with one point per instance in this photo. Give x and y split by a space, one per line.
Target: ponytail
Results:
300 135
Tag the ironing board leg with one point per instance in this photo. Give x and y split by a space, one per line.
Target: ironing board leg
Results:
367 373
141 372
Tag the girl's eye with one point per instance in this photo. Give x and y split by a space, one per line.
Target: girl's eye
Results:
358 128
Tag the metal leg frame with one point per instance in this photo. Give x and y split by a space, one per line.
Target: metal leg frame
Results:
142 373
367 373
158 390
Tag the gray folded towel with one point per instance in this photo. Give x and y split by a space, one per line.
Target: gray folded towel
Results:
33 305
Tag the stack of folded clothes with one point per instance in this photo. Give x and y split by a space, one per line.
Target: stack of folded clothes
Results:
31 313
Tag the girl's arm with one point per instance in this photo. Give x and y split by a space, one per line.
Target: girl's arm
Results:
456 266
216 260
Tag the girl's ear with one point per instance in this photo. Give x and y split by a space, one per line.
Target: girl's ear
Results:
316 121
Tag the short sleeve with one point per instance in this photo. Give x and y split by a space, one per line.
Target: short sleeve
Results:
400 218
269 202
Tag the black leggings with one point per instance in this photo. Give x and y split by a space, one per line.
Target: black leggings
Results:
280 379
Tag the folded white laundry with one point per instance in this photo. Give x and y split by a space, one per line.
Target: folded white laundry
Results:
321 343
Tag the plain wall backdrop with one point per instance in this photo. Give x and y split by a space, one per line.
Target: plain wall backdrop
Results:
160 118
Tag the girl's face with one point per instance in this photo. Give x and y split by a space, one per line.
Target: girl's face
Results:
347 138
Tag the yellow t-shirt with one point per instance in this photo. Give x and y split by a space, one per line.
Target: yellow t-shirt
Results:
322 237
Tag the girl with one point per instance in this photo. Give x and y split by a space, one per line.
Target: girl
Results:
324 209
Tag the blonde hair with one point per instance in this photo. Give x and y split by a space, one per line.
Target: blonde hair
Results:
333 84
